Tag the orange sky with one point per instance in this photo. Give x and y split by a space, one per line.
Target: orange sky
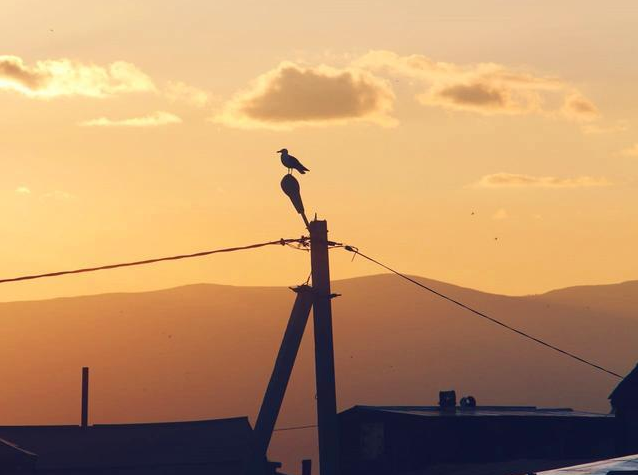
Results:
132 129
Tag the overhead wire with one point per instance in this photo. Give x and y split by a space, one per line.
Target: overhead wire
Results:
569 354
282 242
302 243
281 429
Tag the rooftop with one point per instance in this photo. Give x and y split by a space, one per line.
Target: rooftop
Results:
218 444
483 411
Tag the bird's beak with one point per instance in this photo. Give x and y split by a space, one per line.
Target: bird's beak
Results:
279 151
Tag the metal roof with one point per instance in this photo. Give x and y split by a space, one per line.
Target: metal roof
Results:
484 411
627 464
217 444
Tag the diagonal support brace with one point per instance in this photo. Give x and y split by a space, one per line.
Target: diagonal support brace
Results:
278 383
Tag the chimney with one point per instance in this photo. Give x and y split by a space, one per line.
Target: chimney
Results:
447 400
85 397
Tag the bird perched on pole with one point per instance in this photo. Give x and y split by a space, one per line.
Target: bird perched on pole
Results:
291 163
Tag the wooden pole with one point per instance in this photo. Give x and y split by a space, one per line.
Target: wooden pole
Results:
282 370
85 397
324 352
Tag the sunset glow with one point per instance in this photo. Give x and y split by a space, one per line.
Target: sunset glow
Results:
138 129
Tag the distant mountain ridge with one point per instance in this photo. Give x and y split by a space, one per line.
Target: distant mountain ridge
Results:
204 351
619 299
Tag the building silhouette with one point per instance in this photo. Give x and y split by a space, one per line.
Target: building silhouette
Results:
211 447
624 404
469 439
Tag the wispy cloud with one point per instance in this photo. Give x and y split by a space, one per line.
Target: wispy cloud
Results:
177 91
291 95
23 190
485 88
64 77
58 195
599 129
578 107
630 151
501 180
152 120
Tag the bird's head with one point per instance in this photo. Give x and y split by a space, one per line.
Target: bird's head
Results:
283 150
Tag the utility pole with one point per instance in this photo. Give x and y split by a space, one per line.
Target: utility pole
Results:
324 350
319 298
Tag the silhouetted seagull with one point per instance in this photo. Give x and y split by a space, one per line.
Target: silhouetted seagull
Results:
291 162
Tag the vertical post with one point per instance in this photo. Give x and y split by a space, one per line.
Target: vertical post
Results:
324 352
85 397
281 372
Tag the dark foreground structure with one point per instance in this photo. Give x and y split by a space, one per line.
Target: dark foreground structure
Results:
212 447
624 404
470 440
617 466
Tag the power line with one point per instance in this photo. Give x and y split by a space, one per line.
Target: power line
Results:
282 242
309 426
483 315
303 242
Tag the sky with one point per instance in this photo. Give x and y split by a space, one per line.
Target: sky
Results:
489 144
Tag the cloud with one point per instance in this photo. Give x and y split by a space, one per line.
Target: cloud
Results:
23 190
58 195
152 120
64 77
12 69
500 180
291 95
177 91
475 94
485 88
630 151
500 215
481 97
597 129
577 107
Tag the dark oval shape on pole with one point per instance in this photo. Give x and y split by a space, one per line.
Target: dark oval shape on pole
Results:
290 186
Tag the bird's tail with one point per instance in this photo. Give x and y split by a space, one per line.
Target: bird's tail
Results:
303 171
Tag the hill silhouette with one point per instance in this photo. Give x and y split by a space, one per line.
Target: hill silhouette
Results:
206 351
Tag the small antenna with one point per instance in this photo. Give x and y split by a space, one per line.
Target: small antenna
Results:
85 398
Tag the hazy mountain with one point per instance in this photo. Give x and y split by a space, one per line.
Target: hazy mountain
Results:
206 351
614 299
